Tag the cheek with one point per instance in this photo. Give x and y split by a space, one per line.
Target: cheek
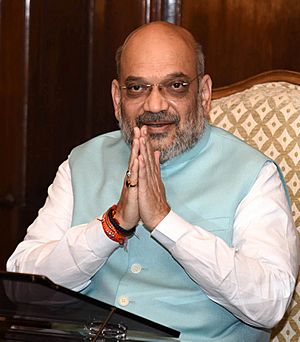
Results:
129 112
187 113
185 107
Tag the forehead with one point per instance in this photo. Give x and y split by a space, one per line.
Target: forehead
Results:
153 55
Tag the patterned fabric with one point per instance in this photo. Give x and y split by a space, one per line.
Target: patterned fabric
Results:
267 116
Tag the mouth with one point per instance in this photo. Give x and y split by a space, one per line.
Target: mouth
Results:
158 124
158 127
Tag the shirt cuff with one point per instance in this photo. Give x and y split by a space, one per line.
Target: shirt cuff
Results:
98 241
171 229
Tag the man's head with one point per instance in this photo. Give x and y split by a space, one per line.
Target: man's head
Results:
161 85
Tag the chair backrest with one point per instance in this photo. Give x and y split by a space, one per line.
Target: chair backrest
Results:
264 111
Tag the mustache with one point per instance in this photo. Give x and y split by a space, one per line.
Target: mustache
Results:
161 116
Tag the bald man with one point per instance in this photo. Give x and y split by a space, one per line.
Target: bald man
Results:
169 218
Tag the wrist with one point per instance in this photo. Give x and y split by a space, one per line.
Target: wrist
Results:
156 219
112 228
115 222
127 219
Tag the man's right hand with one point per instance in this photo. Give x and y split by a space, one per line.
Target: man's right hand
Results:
127 212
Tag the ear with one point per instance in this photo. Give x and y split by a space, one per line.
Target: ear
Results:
206 89
116 97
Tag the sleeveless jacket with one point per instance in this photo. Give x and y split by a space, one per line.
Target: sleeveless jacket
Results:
204 185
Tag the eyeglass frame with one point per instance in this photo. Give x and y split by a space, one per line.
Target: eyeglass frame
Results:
150 86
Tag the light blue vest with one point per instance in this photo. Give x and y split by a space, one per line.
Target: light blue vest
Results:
204 186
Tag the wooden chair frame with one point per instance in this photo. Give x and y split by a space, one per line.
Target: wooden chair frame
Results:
268 76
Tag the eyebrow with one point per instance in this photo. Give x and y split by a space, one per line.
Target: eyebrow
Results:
167 77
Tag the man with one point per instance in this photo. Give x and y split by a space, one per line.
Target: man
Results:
210 245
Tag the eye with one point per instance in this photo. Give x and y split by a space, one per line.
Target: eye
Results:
136 89
177 87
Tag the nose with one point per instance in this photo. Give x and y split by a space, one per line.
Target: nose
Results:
155 101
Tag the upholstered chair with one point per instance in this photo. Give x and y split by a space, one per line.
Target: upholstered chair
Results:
264 111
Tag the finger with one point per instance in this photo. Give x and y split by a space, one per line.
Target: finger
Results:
150 151
157 159
147 151
132 181
143 130
142 174
144 157
134 147
136 132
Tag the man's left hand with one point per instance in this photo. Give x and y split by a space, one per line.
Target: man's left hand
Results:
153 206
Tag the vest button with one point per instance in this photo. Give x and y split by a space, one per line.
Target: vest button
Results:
136 268
123 300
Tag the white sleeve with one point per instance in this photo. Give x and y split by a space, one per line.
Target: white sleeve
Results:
52 245
255 278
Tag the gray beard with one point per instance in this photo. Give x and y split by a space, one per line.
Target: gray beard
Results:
185 138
